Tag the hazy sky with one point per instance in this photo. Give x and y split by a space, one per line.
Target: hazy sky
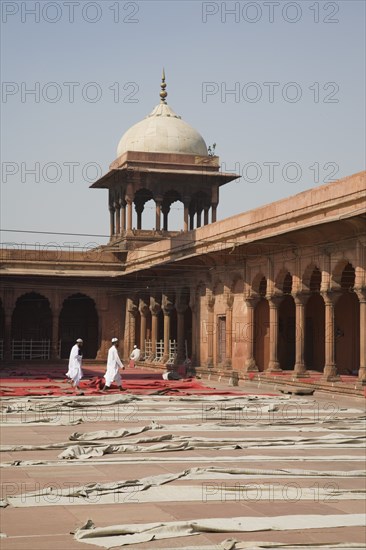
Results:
279 86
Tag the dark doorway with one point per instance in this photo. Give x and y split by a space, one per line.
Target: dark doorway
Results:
32 318
221 339
79 319
287 333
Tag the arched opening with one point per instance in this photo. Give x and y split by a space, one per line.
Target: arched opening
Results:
79 319
315 333
149 215
141 201
287 333
31 327
169 198
32 318
347 325
261 328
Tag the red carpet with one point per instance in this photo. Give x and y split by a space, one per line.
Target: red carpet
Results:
30 382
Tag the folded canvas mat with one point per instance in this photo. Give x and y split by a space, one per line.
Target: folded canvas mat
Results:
124 535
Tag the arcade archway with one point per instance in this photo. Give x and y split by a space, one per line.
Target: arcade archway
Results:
79 319
32 318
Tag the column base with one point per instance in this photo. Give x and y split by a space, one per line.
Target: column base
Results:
300 371
227 364
330 374
362 376
303 374
250 366
273 366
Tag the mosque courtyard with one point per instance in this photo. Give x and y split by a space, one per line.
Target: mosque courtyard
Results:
179 464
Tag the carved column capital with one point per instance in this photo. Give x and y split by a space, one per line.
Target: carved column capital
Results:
155 309
361 294
133 309
330 297
230 300
274 300
210 303
300 298
251 301
143 309
168 308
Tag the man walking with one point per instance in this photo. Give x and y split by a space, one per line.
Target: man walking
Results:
75 372
114 363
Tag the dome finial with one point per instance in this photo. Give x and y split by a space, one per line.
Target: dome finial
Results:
163 93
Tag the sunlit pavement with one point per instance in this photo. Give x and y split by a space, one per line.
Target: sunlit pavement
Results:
319 436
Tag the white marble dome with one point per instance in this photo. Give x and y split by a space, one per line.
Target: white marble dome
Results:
162 131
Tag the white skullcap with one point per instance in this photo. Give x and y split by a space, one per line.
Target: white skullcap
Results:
114 340
79 341
135 346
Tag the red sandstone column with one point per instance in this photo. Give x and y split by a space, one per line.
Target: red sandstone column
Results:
205 216
229 332
129 214
250 365
143 312
274 364
158 213
132 310
142 333
330 369
118 218
139 211
210 330
213 213
155 310
186 214
199 212
112 231
362 371
123 217
300 368
166 334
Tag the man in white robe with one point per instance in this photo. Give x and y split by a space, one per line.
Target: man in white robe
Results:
135 356
75 372
114 363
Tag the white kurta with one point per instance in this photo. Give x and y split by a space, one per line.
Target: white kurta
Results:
135 355
75 371
114 363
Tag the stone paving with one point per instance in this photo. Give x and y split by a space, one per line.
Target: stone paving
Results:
260 454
